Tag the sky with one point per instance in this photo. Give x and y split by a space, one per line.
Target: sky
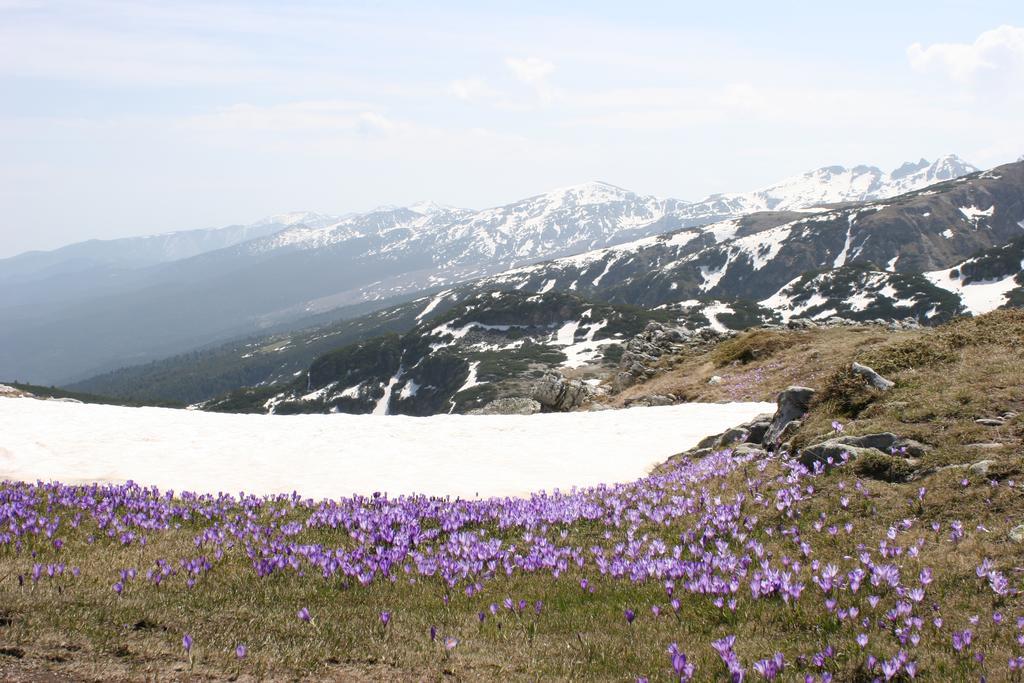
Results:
130 118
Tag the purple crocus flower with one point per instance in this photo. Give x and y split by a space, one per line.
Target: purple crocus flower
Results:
303 615
630 616
241 651
186 642
385 618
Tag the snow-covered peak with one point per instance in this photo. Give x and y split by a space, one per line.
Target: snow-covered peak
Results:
593 192
308 218
831 185
429 208
949 167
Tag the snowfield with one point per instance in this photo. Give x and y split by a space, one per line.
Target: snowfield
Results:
329 456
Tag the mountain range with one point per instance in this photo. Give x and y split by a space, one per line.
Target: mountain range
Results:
952 248
96 306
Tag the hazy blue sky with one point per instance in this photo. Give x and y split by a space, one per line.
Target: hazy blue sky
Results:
123 118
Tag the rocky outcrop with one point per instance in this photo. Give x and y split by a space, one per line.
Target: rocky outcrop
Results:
556 393
883 455
650 401
641 353
873 378
879 446
509 406
792 404
838 321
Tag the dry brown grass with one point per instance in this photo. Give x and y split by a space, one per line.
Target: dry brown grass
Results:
805 357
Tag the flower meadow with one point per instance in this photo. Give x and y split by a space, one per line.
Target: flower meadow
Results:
723 568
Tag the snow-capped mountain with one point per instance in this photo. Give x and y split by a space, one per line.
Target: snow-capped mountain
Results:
953 248
296 265
579 217
830 185
757 255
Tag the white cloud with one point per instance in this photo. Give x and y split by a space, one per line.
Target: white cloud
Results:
316 116
534 72
530 70
473 89
997 54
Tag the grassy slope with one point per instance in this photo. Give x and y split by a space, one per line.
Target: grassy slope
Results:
945 379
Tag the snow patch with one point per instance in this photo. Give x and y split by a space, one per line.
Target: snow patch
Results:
973 213
329 456
433 304
712 311
977 297
384 403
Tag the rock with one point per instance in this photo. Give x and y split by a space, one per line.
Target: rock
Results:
832 449
509 406
985 446
748 449
676 335
757 427
654 326
883 441
787 434
872 377
708 441
792 404
557 393
981 467
648 401
1017 534
623 380
909 448
731 436
595 407
715 379
991 421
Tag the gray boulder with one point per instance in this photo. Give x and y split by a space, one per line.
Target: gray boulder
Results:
873 378
623 380
757 427
509 406
883 441
653 400
909 448
981 467
557 393
792 405
832 449
748 449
